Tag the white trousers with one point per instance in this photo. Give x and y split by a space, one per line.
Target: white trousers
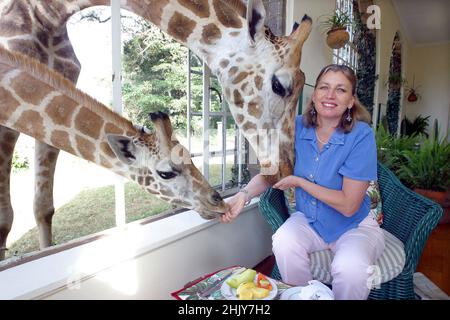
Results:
354 252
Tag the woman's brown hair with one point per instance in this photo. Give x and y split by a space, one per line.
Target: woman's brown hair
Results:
357 112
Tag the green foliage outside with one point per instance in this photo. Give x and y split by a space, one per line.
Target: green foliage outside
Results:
154 76
19 163
155 79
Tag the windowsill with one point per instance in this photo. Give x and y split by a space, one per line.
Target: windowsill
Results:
66 267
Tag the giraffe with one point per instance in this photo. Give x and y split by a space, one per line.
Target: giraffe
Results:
44 105
258 71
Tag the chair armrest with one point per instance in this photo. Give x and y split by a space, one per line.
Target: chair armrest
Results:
272 205
407 215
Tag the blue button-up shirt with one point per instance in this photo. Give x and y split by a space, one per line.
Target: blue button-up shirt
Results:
352 155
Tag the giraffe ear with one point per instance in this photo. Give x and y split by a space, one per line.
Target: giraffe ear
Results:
163 130
123 147
256 14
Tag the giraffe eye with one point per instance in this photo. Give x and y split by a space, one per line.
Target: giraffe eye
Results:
277 87
167 174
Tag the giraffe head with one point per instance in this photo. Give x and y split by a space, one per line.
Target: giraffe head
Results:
262 80
162 166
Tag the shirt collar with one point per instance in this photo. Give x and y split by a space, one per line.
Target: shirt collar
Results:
309 134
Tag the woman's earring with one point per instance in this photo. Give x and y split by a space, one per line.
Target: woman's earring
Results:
313 111
349 116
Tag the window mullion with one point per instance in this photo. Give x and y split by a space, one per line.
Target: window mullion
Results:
189 100
206 122
117 100
224 143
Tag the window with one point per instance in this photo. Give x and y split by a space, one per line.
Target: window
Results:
199 114
346 55
212 135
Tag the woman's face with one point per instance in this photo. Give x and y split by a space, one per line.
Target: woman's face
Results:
333 95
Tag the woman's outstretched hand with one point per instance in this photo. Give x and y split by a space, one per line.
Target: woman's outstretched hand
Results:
236 204
287 182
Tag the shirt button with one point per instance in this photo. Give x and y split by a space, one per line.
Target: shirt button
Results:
316 159
313 202
311 176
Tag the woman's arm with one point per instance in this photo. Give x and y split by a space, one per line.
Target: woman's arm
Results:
255 187
347 201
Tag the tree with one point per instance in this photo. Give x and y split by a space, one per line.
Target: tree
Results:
154 76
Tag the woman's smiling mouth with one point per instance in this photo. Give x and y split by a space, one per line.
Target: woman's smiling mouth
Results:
329 105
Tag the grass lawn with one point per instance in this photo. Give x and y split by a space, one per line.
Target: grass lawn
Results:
92 211
89 212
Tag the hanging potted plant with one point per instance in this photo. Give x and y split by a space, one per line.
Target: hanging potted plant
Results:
335 26
412 95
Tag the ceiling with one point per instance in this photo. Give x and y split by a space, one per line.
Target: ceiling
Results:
424 22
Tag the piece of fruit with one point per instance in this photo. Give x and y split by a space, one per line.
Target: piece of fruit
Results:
245 286
245 295
246 276
260 293
245 291
263 282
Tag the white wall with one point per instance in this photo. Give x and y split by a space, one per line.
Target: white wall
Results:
142 261
430 66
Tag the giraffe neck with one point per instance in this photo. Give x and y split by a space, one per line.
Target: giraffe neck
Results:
42 104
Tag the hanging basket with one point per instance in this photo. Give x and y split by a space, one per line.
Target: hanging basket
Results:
337 38
412 97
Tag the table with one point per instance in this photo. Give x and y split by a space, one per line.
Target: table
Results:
190 290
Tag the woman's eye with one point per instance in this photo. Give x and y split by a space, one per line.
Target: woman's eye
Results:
340 90
323 88
277 87
166 174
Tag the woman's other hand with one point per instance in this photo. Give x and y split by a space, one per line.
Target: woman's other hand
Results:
287 182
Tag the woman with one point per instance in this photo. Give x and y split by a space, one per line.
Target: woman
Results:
336 158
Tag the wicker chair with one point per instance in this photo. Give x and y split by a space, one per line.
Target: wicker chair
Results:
407 215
